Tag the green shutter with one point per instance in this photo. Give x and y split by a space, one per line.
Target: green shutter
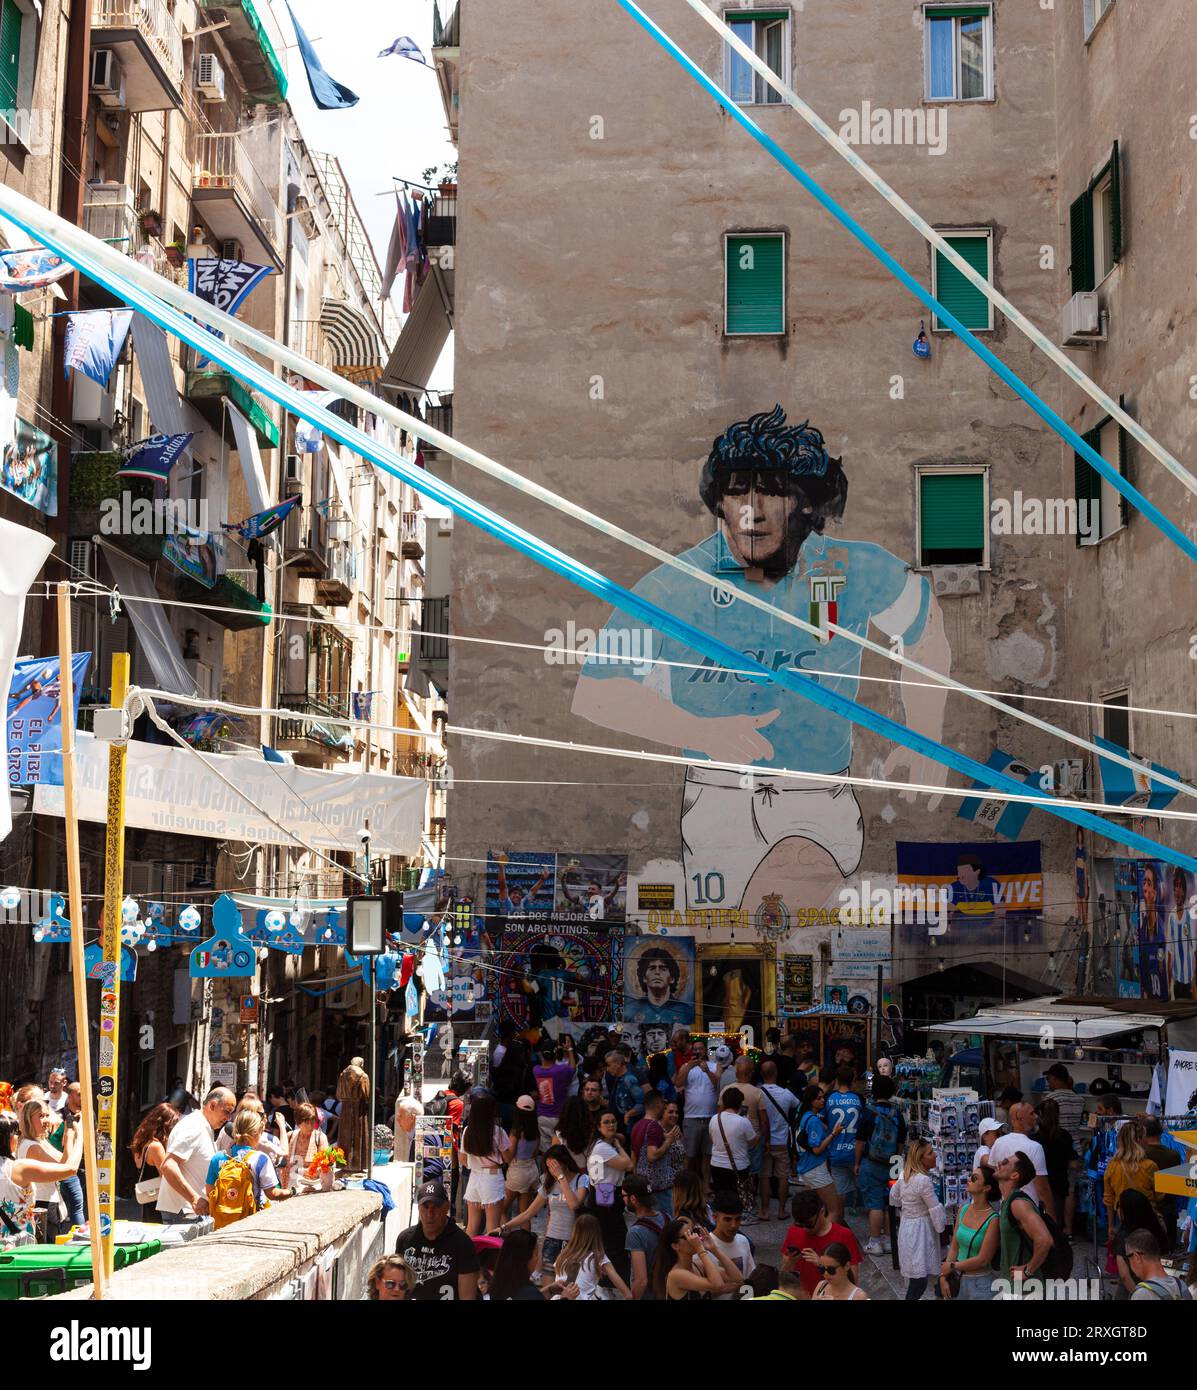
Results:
1087 485
1080 223
10 54
952 518
738 16
1115 206
953 291
22 327
959 12
755 297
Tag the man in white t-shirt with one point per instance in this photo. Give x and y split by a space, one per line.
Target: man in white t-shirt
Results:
189 1151
732 1135
1022 1121
696 1084
728 1211
56 1092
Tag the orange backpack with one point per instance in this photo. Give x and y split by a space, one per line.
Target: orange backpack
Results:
235 1196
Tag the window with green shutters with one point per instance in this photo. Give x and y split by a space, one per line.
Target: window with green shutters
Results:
958 295
11 20
953 520
755 289
1101 508
1095 227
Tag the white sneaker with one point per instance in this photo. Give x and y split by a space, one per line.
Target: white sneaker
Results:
875 1246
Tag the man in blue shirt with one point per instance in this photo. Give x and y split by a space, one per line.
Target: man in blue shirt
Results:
624 1092
844 1105
771 488
975 897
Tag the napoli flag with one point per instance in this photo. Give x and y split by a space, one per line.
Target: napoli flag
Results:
224 284
328 94
153 458
94 341
403 47
262 524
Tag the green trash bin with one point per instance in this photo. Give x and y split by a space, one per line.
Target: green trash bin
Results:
35 1271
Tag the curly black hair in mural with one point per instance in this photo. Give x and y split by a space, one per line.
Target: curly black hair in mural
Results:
765 444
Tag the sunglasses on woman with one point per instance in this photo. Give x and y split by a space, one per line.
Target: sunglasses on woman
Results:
829 1269
394 1285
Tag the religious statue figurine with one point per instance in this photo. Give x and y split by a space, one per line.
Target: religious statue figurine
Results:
353 1131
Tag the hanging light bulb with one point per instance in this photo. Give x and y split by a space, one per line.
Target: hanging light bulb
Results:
10 898
38 934
941 964
130 912
263 953
190 918
151 944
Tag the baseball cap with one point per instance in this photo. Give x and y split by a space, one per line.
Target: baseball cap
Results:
432 1192
525 1103
987 1126
723 1053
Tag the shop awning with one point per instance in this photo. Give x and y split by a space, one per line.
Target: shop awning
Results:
154 631
424 334
1071 1024
177 791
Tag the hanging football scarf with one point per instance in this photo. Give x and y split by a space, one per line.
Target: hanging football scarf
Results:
261 524
154 457
224 284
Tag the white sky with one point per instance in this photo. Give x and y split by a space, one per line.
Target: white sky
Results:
398 126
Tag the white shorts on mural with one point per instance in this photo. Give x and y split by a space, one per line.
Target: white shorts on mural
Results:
728 829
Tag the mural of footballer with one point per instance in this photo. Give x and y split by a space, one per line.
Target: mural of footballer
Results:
771 488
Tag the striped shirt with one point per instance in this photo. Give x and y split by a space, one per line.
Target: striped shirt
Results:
1072 1117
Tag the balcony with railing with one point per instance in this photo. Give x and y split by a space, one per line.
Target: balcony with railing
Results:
335 586
441 227
251 35
233 199
411 535
309 339
305 541
146 70
309 731
446 54
440 417
432 638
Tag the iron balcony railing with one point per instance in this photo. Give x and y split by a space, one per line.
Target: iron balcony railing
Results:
109 214
434 629
153 21
309 339
221 162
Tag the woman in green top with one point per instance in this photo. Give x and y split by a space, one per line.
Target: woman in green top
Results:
975 1239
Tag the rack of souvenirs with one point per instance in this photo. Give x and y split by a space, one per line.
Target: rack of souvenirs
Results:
953 1118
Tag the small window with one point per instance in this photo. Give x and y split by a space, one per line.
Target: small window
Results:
767 33
755 288
958 295
1094 10
953 513
959 54
1095 226
1101 508
1115 717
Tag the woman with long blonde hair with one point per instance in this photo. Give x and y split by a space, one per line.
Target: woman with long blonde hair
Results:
37 1122
1128 1169
923 1218
390 1281
583 1261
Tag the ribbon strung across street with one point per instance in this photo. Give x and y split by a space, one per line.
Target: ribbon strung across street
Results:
67 241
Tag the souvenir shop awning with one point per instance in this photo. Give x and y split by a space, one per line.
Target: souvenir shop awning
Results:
173 790
1082 1024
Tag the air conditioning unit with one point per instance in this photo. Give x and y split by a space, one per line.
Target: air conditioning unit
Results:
107 79
231 251
209 78
1084 321
92 404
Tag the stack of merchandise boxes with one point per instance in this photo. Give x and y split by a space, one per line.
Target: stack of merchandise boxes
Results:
952 1122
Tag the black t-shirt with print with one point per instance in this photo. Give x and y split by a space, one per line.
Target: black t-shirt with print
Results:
437 1263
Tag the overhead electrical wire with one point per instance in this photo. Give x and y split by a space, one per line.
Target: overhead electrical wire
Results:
134 274
87 254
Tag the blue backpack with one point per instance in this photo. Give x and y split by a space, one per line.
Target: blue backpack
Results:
883 1142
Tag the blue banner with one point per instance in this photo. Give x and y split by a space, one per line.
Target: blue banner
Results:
30 468
35 719
1006 818
153 458
1123 786
31 269
225 284
263 523
94 341
327 93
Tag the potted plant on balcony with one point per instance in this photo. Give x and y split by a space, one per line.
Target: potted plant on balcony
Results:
176 253
151 222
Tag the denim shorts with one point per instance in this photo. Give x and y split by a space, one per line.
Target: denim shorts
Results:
873 1184
550 1248
844 1179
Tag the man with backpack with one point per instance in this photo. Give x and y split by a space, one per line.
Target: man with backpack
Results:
780 1106
1153 1283
1031 1243
880 1137
644 1232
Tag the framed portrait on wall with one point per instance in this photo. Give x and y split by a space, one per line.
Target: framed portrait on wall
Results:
736 987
